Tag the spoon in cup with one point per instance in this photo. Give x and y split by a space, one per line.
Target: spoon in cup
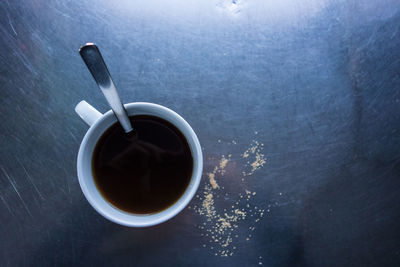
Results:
91 55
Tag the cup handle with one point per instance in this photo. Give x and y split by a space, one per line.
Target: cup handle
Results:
87 113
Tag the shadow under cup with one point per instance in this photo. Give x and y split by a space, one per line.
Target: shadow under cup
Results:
86 179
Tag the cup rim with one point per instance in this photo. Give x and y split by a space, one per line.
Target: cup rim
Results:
175 208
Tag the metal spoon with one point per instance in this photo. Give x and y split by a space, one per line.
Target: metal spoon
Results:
94 61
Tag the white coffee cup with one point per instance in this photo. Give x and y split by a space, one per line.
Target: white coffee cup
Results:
99 123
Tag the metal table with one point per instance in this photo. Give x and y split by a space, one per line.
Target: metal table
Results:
296 105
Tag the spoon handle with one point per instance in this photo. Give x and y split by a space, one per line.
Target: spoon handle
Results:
91 55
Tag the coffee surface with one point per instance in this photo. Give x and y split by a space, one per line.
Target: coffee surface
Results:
145 172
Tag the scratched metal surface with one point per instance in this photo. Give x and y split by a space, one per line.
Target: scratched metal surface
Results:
318 80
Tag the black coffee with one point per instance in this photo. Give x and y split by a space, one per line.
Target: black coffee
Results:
145 172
